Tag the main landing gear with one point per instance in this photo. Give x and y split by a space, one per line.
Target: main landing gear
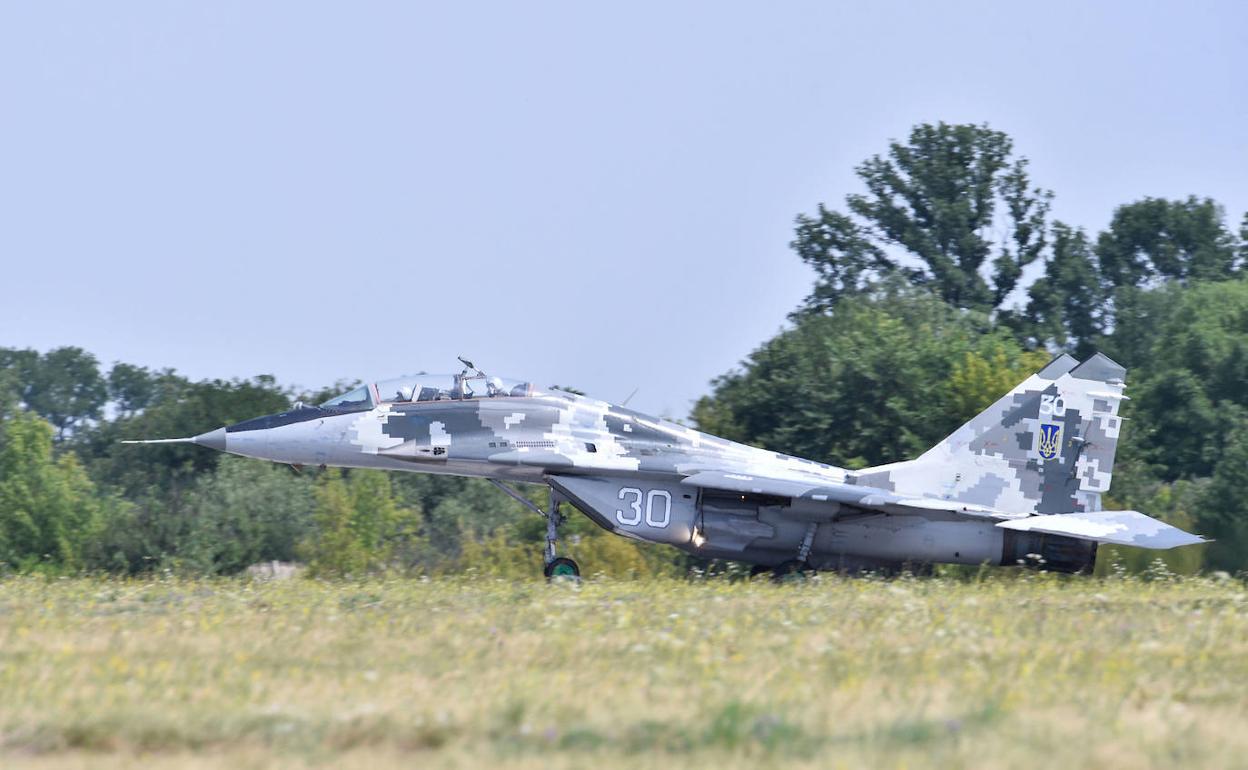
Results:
793 570
555 567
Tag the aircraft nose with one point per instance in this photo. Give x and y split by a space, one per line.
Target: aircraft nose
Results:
213 439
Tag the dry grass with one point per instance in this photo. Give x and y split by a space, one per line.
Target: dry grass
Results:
840 673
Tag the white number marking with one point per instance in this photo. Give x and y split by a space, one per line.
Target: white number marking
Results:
1054 405
635 518
656 516
653 520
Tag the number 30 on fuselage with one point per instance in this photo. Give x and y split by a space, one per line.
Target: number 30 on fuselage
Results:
658 507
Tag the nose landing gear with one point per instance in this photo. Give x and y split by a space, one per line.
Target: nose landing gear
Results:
557 567
554 567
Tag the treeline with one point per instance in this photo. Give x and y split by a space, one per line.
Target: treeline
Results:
938 288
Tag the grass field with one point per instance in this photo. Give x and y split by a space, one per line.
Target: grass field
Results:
838 673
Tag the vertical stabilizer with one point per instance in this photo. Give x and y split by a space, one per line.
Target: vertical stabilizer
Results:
1047 446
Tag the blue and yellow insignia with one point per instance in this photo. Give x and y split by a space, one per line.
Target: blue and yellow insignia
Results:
1050 440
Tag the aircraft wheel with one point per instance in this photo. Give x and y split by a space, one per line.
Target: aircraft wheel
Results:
792 571
563 568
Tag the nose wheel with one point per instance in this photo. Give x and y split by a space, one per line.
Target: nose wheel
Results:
562 568
554 567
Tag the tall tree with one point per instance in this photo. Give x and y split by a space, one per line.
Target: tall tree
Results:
1155 239
64 385
932 212
1064 306
1194 362
867 384
131 387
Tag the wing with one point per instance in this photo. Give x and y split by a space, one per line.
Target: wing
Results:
1114 527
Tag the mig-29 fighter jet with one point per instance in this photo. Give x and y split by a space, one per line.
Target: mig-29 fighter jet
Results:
1020 484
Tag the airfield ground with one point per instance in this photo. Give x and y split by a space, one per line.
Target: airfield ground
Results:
1033 672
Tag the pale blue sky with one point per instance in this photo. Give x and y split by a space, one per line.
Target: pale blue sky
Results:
578 193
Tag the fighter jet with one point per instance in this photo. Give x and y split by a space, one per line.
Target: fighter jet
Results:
1020 484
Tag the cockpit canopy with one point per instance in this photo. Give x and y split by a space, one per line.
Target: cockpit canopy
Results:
430 387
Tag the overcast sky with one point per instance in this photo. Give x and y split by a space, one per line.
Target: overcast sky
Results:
591 194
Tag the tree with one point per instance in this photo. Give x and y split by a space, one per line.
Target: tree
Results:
48 508
18 367
868 384
67 388
1176 424
178 408
476 511
1194 361
1065 304
63 386
844 256
1155 239
357 523
132 388
1243 241
986 374
1138 320
246 512
334 548
8 393
1224 508
938 199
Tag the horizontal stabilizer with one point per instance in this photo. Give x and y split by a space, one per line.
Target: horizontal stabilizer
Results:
1112 527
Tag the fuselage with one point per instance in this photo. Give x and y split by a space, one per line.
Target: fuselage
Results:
620 467
1019 483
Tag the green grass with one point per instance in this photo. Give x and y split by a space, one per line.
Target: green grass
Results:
1035 671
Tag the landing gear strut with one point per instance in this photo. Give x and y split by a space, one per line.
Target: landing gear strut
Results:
553 566
557 566
799 568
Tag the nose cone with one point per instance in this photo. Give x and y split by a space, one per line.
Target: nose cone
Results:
214 439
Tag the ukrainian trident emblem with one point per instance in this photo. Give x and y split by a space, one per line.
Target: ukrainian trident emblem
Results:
1050 438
